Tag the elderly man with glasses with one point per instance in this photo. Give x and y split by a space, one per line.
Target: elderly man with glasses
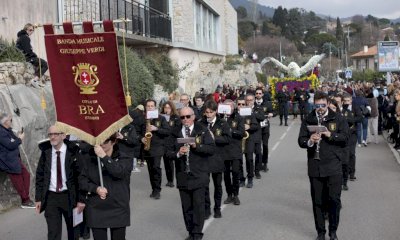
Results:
192 167
24 44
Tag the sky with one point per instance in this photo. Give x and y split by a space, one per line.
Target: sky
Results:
342 8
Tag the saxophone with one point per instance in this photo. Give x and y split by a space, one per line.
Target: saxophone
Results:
148 135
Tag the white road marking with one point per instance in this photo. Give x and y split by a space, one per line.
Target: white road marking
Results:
209 221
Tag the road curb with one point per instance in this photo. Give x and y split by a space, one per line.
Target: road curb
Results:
395 153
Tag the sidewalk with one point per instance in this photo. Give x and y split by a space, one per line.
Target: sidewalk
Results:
396 154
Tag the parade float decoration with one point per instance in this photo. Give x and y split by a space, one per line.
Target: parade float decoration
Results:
297 77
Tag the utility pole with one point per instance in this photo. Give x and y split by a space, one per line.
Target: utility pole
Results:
254 10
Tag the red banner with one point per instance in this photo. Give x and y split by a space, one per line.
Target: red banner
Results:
86 81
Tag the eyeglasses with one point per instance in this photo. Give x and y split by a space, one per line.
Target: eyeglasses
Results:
54 134
241 104
185 116
258 93
323 105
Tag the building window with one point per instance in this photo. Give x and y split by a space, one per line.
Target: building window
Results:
206 27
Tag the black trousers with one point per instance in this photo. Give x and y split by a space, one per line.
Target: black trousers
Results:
193 210
283 111
325 195
116 233
154 167
57 206
231 176
43 66
303 110
251 167
217 180
352 154
169 168
265 139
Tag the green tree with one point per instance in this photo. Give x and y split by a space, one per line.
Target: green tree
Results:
141 82
328 47
241 12
268 28
9 52
280 18
386 38
246 29
318 40
295 30
339 30
384 21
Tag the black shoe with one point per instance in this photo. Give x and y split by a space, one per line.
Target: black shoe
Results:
258 175
345 187
249 183
352 178
280 124
321 236
28 204
264 168
152 194
86 236
170 184
229 200
286 124
332 236
242 184
156 195
217 213
190 237
207 215
236 200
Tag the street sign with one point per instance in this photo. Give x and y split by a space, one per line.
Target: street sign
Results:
348 73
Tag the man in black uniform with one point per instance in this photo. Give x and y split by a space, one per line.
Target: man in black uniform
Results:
221 133
324 153
199 108
283 98
192 177
266 108
302 97
256 138
233 155
353 116
159 129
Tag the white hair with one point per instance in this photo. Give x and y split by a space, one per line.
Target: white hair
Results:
3 117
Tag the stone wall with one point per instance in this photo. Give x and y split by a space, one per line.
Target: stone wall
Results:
32 117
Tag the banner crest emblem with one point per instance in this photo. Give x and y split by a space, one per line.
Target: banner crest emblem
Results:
86 78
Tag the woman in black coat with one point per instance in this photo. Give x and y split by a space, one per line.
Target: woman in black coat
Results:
108 206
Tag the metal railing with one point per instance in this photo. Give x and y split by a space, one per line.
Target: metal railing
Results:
146 21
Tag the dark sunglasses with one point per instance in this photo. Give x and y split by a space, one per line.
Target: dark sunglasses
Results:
241 104
258 93
54 134
323 105
185 116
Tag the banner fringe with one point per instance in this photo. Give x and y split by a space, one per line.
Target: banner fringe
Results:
92 140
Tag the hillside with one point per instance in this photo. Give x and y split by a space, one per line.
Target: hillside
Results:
268 11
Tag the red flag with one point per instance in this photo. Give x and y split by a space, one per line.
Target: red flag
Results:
86 81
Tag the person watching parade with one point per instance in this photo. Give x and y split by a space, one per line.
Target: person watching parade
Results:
10 160
24 44
325 156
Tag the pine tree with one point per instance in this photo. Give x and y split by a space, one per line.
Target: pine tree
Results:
339 30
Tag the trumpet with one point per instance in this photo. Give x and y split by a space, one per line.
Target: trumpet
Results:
148 135
244 139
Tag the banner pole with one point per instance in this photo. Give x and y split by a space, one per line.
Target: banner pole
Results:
100 172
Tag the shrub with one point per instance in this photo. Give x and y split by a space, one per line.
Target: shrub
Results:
10 53
141 82
261 77
161 68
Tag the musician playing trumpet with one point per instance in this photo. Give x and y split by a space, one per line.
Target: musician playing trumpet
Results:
325 171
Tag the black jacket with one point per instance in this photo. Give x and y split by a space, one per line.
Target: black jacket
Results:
352 117
129 141
302 97
9 151
24 44
331 149
114 211
175 126
138 122
198 159
157 146
222 136
43 174
234 149
254 130
266 108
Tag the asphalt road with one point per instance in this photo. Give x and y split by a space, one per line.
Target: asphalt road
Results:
278 207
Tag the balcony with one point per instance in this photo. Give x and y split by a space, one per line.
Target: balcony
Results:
148 25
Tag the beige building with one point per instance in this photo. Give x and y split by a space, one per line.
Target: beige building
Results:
192 31
366 59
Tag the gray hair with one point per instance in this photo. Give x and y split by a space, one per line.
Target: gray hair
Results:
3 117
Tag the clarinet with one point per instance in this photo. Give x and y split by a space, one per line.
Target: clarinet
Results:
316 155
187 167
